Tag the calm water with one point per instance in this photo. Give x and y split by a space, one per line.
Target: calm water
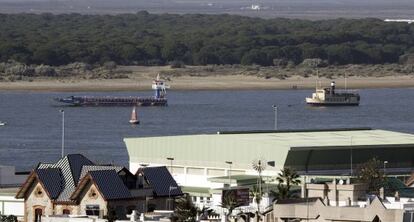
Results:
33 132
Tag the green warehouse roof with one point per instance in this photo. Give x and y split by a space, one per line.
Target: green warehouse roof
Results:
290 148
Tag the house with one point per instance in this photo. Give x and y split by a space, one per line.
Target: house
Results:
74 185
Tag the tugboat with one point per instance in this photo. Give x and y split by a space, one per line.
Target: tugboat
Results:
134 117
159 99
329 97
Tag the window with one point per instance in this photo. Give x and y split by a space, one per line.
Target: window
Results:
38 192
93 194
66 211
92 210
38 215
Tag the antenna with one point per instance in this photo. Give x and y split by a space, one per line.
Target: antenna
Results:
259 165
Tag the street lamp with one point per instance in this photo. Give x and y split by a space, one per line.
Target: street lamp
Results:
229 173
63 131
169 195
385 165
171 159
275 110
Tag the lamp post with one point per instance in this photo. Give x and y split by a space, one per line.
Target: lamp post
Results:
275 111
385 165
171 159
63 132
229 173
169 196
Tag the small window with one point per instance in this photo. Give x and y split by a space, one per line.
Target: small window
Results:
92 210
66 211
38 215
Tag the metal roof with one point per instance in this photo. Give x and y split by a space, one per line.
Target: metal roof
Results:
161 181
87 168
70 167
214 150
52 180
110 185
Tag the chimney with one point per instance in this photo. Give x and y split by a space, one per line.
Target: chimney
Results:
382 193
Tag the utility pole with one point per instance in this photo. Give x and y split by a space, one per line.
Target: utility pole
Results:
171 159
275 110
63 132
229 173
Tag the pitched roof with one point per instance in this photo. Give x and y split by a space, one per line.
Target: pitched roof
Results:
70 167
87 168
52 181
161 181
60 179
107 182
410 180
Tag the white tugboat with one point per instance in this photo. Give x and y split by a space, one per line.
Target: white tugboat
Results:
329 97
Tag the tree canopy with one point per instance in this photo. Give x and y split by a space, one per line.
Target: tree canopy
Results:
194 39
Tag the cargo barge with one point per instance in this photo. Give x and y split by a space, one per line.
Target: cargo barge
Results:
159 99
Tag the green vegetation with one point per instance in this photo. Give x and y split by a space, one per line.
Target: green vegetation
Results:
149 39
371 173
9 218
184 210
286 179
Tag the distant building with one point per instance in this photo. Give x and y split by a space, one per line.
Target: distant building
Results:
10 180
76 186
409 21
339 200
315 210
203 164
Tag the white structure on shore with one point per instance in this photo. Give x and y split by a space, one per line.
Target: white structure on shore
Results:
10 180
409 21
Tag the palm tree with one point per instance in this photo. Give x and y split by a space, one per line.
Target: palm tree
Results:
286 178
371 174
229 203
184 210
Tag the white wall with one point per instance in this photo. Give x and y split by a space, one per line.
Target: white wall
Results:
11 206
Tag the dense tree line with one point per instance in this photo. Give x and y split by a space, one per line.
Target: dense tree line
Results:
149 39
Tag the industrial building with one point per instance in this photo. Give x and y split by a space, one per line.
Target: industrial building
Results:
204 163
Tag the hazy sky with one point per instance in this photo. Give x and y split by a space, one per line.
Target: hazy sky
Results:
307 9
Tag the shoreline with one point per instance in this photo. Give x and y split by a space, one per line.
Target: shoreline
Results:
228 82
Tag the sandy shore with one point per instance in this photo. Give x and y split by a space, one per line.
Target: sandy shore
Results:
229 82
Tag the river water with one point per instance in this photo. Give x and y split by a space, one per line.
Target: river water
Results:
33 133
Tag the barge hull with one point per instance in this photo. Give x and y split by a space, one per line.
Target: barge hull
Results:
113 101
